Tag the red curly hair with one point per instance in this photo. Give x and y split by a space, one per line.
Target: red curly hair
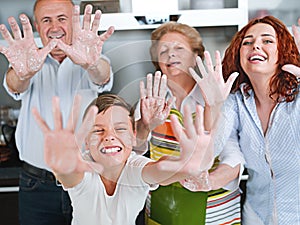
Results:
283 85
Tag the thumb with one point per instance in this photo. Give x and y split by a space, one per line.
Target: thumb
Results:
292 69
48 48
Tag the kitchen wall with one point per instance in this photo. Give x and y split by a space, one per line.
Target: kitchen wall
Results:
129 49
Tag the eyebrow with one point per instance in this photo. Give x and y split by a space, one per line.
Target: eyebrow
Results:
48 17
263 35
117 123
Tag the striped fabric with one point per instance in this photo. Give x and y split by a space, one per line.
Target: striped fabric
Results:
223 207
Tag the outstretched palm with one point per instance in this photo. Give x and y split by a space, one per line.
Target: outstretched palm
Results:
213 88
86 45
62 147
154 107
22 52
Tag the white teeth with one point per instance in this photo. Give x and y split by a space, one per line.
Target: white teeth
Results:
55 37
110 150
257 57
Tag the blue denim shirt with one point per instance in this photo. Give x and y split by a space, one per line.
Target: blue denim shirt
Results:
272 160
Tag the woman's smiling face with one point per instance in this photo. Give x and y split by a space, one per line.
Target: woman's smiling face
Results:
175 54
258 52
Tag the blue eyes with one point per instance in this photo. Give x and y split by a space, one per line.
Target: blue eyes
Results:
264 42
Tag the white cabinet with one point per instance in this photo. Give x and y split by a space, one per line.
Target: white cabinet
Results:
196 18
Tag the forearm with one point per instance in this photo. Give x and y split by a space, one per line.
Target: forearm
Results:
100 72
69 180
211 116
14 83
222 175
154 174
141 135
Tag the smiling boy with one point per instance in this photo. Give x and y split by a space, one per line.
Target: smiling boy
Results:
111 187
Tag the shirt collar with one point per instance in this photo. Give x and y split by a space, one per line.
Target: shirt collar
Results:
195 95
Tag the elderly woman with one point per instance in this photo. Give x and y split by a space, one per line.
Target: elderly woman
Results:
174 50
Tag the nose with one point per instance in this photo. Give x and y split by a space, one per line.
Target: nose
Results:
54 25
109 137
256 46
171 52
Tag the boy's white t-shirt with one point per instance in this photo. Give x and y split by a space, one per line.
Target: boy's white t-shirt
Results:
92 205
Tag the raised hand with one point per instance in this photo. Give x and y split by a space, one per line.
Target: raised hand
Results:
62 148
196 146
22 52
86 45
289 67
154 107
296 33
213 88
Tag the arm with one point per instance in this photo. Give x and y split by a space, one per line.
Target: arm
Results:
222 175
154 109
196 152
289 67
87 45
62 145
22 53
226 175
213 88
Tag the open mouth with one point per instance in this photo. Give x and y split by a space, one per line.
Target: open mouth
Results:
56 36
257 58
172 64
110 150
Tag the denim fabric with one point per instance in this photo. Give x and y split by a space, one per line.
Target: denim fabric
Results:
42 202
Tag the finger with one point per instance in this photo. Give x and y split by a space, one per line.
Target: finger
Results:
86 125
87 17
74 114
292 69
149 85
177 128
42 123
14 28
56 113
296 33
171 102
27 28
67 49
208 61
201 66
76 19
163 86
188 122
156 84
6 35
195 76
96 21
199 120
230 82
107 34
142 90
168 106
48 48
218 67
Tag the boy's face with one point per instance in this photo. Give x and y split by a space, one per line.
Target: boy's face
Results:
112 137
